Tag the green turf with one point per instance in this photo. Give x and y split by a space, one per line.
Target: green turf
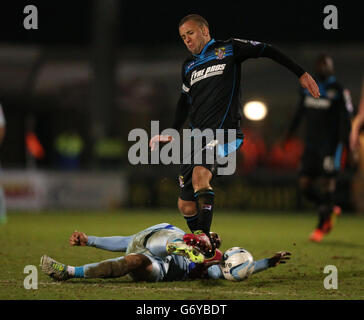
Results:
27 236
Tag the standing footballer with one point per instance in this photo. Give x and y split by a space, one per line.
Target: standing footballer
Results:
327 129
211 100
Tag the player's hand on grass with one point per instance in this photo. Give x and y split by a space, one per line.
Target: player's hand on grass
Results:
279 257
159 138
78 239
310 84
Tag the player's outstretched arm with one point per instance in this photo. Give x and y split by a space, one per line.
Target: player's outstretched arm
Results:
278 258
116 243
305 79
214 271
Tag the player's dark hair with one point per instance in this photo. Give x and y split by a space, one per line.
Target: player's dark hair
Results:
322 57
195 17
321 60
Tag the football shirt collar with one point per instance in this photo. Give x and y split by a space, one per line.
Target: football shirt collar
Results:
201 55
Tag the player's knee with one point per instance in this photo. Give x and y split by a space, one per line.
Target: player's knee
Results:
329 185
136 261
187 208
141 268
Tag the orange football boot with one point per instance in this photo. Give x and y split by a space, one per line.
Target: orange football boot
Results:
317 235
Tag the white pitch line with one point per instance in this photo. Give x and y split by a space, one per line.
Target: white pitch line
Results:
167 289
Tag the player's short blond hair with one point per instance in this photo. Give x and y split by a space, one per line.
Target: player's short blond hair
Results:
195 17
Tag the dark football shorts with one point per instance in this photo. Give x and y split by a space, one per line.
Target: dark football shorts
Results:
321 161
206 156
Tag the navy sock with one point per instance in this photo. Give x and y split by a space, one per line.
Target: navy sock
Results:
192 222
326 208
205 205
312 195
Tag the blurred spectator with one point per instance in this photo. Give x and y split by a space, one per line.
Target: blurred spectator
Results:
287 155
69 146
3 218
109 152
34 147
253 153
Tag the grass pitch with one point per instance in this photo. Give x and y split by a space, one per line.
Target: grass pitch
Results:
27 236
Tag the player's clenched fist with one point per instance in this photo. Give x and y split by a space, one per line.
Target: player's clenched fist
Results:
78 239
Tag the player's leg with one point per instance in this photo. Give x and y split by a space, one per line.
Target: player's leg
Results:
309 171
331 165
328 170
154 239
204 196
166 240
307 188
111 268
329 210
195 193
186 200
115 268
196 205
188 209
196 199
326 209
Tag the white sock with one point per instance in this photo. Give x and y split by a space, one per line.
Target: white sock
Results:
71 270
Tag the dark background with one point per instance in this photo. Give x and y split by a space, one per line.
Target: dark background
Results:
104 67
155 22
